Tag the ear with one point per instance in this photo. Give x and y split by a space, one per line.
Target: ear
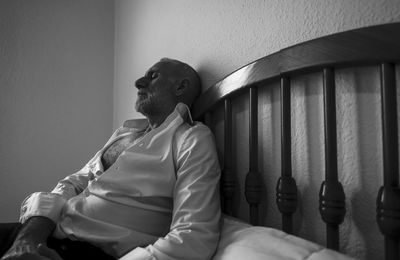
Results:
182 87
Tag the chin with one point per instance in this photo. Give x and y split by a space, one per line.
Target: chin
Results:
138 108
143 108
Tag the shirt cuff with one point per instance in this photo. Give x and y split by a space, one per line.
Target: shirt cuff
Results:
138 253
42 204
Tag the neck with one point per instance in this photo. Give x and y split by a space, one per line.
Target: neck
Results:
156 120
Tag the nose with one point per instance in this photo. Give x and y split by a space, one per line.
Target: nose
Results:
141 83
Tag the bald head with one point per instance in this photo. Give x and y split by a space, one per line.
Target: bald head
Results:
163 86
187 78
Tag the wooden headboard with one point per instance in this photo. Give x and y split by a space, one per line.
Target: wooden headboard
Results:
377 46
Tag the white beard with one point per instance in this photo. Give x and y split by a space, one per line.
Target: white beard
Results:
147 105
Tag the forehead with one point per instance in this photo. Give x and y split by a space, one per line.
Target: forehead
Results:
164 66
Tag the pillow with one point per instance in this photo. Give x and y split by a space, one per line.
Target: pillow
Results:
240 241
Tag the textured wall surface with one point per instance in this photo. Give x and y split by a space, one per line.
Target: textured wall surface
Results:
218 37
56 77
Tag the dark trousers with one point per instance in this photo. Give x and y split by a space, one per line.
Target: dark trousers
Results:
66 248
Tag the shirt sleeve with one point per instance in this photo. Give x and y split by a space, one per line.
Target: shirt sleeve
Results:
50 204
195 227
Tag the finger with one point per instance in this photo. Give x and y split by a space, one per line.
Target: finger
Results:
48 252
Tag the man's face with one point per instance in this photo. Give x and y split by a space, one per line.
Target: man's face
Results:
155 89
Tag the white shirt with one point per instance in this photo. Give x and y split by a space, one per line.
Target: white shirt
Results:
159 200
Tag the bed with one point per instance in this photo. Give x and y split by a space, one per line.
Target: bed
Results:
308 143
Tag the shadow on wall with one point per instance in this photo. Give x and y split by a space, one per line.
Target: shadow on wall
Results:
207 72
362 162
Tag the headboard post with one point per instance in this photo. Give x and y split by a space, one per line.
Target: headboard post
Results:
227 181
388 200
286 189
331 196
253 182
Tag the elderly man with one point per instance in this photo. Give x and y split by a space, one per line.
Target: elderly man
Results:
150 193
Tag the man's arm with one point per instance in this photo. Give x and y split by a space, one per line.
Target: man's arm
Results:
40 211
194 231
49 204
37 229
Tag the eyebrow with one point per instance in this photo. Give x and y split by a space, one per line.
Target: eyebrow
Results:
151 70
147 73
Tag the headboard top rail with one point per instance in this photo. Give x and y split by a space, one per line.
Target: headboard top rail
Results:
355 47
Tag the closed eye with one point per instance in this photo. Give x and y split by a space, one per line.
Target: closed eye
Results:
152 75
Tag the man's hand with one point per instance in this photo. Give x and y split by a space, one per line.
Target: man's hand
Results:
35 231
24 250
21 249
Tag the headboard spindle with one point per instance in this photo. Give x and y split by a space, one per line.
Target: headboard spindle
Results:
286 189
227 180
388 200
253 181
331 196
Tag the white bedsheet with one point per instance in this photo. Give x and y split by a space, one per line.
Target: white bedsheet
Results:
242 241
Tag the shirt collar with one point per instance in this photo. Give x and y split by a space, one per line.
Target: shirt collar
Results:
184 112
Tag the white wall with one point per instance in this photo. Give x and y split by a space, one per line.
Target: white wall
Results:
217 37
56 80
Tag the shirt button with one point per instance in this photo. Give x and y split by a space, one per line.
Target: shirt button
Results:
117 168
